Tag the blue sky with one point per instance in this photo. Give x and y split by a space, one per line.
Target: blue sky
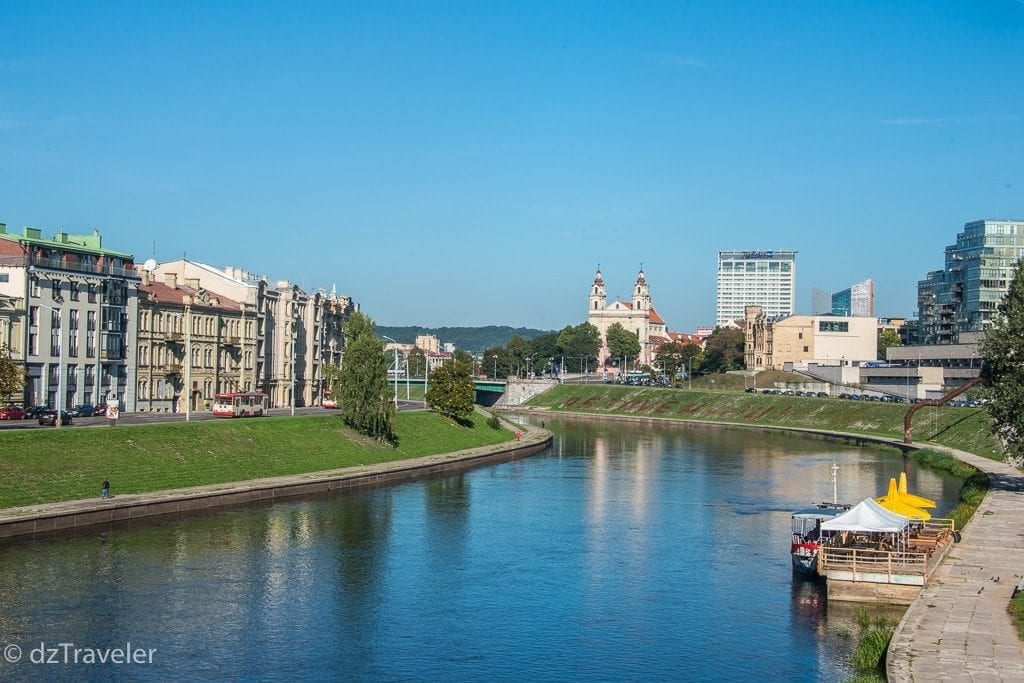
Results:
471 163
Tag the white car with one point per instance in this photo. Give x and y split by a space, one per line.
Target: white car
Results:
328 403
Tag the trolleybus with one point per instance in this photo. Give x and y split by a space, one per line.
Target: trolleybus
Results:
244 404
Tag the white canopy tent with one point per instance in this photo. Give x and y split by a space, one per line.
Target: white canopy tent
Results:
867 516
869 523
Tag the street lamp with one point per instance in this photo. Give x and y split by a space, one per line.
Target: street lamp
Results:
60 364
396 370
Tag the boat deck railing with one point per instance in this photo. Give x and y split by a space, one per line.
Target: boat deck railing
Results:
924 548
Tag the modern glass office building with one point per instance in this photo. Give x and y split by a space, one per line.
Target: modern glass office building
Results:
857 300
755 278
963 296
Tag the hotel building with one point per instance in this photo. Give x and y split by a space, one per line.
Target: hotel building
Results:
755 278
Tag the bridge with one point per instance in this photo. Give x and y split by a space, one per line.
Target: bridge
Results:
488 391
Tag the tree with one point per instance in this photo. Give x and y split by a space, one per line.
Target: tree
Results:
495 363
465 357
1002 369
451 391
332 380
518 350
887 338
621 342
364 392
670 358
579 345
723 350
545 352
417 362
12 374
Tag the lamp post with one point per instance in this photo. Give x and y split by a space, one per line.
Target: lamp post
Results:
294 339
60 363
396 370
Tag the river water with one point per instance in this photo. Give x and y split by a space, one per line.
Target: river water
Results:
624 551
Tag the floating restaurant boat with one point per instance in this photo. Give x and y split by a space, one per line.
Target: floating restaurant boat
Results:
806 527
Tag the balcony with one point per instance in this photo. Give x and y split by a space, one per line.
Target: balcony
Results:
175 337
231 341
115 354
172 367
78 267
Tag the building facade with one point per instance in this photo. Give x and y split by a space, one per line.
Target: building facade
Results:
774 343
290 333
637 316
857 301
78 305
755 278
964 295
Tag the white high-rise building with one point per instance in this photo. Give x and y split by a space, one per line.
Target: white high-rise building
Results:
755 278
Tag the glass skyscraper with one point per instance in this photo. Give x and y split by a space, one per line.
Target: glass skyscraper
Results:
964 295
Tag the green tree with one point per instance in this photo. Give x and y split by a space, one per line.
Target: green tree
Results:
495 363
723 350
579 346
1002 369
332 380
622 342
544 350
887 338
466 358
417 362
12 374
364 392
670 358
518 350
451 390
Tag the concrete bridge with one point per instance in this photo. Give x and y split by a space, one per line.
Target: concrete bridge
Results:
488 391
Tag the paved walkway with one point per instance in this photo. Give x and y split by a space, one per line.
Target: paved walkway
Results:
958 628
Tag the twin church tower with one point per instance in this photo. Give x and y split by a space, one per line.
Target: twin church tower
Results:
638 316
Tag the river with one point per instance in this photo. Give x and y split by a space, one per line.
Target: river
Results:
624 551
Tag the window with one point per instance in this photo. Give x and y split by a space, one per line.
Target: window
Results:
55 290
73 287
833 326
33 344
36 292
91 289
805 349
73 344
90 375
74 319
90 321
5 277
33 316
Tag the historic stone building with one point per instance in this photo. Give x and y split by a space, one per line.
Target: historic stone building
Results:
72 302
292 333
638 316
192 344
774 343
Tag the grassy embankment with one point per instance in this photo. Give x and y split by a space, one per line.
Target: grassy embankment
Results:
963 428
43 466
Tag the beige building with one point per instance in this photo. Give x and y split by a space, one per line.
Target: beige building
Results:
638 316
428 343
292 335
192 345
802 339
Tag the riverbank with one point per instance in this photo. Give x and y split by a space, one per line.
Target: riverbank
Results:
51 466
961 428
55 517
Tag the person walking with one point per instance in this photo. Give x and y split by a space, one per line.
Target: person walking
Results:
105 489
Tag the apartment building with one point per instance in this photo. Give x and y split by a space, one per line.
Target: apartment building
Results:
774 343
72 303
290 333
964 295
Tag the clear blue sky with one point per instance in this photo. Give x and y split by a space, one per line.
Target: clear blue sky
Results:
471 163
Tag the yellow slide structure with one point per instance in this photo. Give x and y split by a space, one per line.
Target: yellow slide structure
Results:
894 502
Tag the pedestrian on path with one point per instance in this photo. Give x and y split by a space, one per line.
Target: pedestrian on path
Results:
105 489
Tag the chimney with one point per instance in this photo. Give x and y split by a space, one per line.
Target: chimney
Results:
171 280
192 282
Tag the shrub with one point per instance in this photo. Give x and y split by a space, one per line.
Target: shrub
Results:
493 422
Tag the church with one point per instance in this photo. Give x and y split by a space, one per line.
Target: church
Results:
638 316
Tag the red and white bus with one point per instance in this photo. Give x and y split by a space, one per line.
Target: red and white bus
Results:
243 404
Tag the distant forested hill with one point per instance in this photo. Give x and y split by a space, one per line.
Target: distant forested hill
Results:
472 339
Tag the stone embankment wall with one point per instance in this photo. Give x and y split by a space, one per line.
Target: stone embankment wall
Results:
519 391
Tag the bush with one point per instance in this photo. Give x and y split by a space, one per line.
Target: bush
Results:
972 491
868 660
493 422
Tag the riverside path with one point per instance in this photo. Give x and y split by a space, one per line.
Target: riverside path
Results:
958 628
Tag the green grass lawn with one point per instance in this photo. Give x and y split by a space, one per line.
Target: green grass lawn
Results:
43 466
964 428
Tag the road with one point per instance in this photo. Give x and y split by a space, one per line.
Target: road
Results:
151 418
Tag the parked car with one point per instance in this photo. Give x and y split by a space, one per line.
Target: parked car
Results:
33 412
12 412
328 403
750 390
49 417
822 394
99 411
81 410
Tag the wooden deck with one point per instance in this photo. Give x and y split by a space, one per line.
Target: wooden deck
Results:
906 570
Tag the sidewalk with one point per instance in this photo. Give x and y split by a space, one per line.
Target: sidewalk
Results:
958 628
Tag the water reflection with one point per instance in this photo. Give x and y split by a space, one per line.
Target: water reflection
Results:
624 551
